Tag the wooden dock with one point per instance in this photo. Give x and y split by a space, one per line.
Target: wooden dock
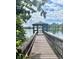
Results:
41 49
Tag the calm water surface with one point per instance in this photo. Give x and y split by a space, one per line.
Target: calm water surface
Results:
29 33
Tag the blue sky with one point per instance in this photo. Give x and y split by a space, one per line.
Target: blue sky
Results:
54 9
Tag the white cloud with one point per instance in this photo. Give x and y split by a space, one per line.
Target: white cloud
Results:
57 1
54 9
35 17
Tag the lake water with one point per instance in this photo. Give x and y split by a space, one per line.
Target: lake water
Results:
29 33
58 34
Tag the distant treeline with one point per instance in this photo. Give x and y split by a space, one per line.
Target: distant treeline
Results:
52 27
56 27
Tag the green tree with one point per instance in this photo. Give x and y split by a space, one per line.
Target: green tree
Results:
22 15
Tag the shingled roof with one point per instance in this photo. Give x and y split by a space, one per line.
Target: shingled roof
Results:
40 22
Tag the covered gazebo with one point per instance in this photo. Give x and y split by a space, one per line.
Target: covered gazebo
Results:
40 27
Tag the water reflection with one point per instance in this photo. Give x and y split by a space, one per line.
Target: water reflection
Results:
58 33
29 33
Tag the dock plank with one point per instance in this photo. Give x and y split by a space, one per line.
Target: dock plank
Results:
41 49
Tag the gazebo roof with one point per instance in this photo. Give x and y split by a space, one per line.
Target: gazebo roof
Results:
39 23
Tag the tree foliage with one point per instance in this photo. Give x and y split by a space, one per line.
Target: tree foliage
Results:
22 15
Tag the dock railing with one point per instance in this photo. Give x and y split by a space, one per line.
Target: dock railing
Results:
56 43
27 46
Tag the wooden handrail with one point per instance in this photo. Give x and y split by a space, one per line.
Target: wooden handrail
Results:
27 46
56 43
